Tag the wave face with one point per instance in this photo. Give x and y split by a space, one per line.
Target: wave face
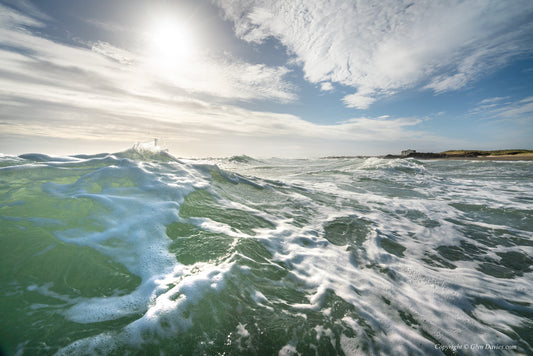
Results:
139 252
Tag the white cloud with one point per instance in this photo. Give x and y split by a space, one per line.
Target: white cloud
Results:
362 99
106 26
32 56
10 19
505 109
445 82
102 93
196 128
493 100
233 80
521 109
326 86
24 6
112 52
527 100
381 47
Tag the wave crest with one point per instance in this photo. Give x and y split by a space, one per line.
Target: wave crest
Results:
147 151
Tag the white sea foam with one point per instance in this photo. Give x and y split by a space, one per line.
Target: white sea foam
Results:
401 256
433 298
135 237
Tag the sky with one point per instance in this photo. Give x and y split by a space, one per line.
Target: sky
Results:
265 78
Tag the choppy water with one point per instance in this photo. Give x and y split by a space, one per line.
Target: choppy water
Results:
141 253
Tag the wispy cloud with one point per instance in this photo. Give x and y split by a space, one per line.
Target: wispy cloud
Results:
100 92
381 47
107 26
25 6
506 109
36 60
493 101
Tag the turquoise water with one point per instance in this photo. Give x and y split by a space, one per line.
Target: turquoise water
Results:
141 253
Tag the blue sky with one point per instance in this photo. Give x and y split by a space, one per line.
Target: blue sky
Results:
265 78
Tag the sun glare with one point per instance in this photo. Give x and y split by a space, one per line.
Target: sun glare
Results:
169 42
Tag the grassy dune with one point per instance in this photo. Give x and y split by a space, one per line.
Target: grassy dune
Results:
475 153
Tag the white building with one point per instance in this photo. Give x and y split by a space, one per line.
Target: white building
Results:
408 152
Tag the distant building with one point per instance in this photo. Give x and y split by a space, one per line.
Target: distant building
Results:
408 152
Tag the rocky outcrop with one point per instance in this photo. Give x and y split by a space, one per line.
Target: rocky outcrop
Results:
426 155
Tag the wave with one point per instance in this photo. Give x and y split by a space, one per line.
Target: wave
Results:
144 151
243 159
138 252
411 166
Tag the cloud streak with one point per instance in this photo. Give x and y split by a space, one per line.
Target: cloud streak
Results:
99 92
382 47
42 60
506 109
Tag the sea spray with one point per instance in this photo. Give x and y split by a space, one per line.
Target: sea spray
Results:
140 252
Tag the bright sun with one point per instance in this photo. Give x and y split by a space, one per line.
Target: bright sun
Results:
169 42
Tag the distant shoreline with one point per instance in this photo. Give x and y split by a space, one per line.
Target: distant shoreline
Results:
524 157
459 155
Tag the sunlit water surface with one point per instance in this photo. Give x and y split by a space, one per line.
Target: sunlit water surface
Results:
141 253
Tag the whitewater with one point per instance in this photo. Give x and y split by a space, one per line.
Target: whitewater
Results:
139 252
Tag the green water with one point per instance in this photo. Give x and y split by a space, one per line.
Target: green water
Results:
140 253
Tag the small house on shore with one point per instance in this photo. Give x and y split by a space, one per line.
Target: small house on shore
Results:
408 152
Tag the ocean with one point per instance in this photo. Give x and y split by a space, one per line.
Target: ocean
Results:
142 253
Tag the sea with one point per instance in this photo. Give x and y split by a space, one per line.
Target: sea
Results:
142 253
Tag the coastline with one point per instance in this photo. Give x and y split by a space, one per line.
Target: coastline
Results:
525 157
436 156
470 155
